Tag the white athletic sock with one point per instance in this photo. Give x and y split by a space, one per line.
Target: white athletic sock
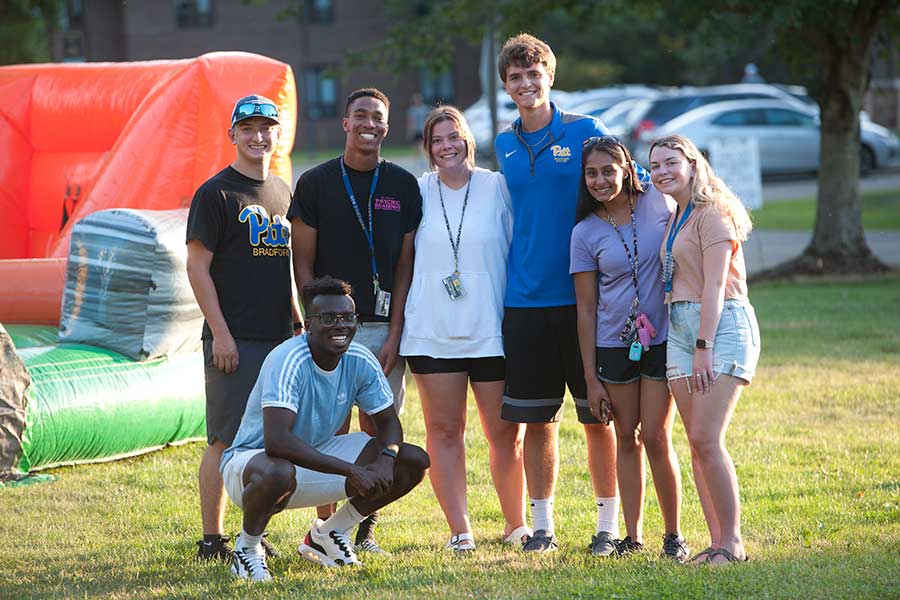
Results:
250 542
343 519
608 515
542 514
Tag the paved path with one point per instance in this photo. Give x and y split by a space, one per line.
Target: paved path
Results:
767 248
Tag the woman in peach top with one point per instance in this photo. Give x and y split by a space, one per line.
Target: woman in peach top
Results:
713 344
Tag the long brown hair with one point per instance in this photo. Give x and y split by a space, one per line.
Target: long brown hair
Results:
621 156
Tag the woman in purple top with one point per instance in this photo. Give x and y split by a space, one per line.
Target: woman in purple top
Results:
622 328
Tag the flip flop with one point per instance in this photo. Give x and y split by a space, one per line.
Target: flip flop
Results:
702 557
727 555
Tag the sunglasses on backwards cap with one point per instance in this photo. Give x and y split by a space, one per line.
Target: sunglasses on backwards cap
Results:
250 109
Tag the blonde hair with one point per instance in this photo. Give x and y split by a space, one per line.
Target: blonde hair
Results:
448 113
707 188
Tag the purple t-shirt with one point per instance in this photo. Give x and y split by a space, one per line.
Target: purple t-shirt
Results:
595 246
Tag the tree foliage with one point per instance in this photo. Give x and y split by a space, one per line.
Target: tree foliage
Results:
26 29
825 44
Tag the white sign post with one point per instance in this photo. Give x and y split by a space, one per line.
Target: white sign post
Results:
736 161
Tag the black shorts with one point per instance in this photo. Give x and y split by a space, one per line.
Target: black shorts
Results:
542 357
226 394
490 368
614 366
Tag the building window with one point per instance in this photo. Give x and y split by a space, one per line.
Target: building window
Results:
194 13
318 12
319 93
436 87
72 15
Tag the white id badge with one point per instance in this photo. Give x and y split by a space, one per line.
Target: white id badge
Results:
453 286
382 302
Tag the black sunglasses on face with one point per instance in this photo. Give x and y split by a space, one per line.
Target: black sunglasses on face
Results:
330 319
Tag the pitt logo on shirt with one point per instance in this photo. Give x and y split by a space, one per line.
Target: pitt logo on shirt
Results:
561 154
269 236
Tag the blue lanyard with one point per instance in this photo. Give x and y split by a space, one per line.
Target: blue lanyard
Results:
368 231
669 267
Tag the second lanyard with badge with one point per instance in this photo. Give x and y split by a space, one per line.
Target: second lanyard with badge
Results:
382 297
638 330
452 283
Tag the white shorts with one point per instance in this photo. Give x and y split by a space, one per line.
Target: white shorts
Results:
313 487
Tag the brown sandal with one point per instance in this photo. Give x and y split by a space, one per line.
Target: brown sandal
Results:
727 555
702 557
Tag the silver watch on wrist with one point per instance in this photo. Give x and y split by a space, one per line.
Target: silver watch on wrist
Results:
704 344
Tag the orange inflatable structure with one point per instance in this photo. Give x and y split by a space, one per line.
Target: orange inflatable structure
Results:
77 138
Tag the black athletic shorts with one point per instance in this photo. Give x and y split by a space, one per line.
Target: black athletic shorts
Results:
226 395
614 366
490 368
542 357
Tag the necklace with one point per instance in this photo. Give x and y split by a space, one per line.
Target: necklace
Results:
539 142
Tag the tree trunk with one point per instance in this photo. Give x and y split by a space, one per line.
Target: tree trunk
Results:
839 243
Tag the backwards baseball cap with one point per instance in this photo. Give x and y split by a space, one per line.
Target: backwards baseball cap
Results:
254 105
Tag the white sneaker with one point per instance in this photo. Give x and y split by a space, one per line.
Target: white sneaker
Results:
249 564
329 548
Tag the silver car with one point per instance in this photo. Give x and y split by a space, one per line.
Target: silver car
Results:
787 136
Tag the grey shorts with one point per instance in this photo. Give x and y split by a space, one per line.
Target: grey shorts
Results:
735 348
226 394
372 336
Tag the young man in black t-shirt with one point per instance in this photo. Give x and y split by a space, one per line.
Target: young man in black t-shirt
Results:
335 234
239 266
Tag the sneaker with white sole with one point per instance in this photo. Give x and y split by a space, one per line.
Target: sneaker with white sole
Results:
328 548
371 546
247 563
461 542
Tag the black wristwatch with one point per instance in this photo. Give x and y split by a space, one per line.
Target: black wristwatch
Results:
389 452
298 325
704 344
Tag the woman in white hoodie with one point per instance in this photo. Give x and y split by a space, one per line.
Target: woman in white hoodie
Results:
452 333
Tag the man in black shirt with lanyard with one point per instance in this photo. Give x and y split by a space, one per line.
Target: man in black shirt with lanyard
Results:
355 218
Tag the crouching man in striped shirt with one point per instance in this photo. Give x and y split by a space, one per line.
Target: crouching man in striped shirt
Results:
286 453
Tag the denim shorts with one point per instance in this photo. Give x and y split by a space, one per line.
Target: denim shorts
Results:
735 347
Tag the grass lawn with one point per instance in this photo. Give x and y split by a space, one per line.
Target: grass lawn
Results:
815 440
880 210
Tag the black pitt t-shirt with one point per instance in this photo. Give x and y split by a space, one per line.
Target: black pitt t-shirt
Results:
243 222
342 251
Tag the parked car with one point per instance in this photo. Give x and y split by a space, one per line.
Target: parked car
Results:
788 137
589 102
650 114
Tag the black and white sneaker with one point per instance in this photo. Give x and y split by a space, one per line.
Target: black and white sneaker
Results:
250 564
218 549
328 548
675 547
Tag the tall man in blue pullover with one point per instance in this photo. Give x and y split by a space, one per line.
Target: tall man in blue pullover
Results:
540 155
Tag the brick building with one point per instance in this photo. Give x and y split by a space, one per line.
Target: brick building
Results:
312 40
